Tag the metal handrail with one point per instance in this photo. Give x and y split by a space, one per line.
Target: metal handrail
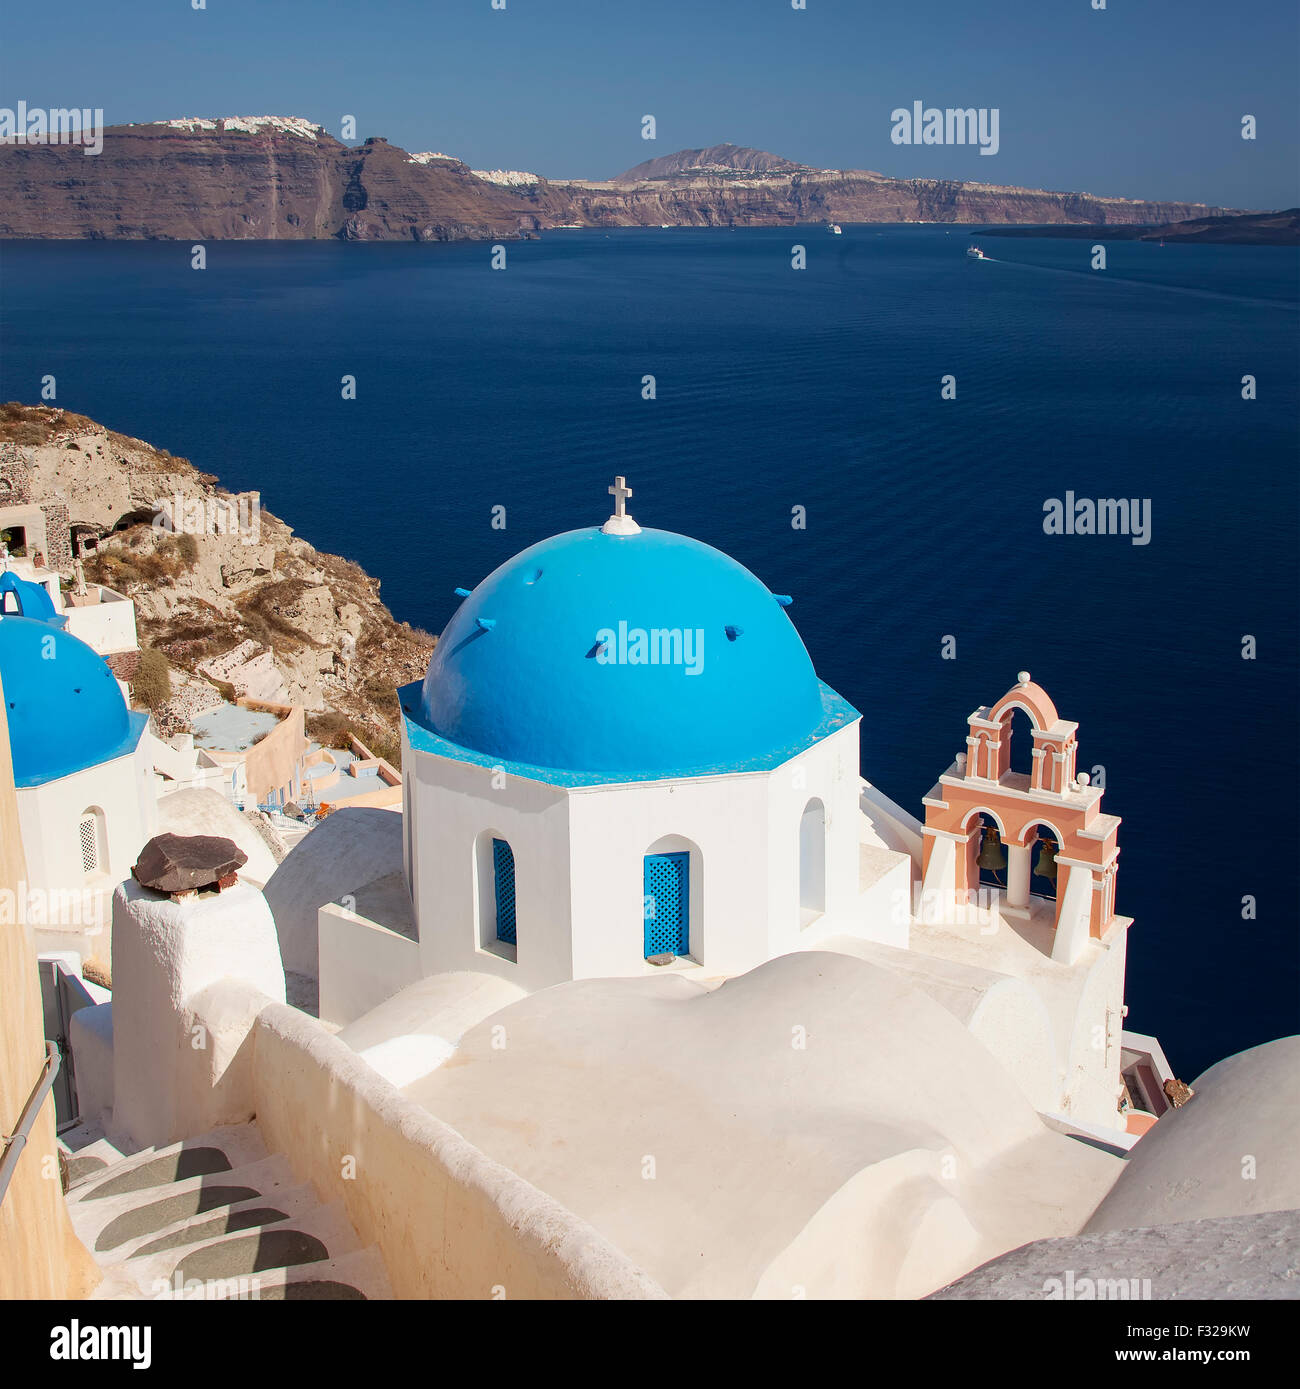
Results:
17 1141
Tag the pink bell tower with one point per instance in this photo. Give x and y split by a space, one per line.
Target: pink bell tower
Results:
1051 797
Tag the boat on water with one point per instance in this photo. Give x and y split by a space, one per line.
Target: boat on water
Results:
975 253
835 229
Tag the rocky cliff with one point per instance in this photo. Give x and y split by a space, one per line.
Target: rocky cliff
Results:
283 178
226 592
263 180
718 198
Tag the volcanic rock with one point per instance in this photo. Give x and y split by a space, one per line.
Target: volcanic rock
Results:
177 864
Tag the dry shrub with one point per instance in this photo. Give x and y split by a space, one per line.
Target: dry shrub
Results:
152 685
330 730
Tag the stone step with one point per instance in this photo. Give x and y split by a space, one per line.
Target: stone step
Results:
353 1276
220 1150
89 1153
103 1225
286 1203
317 1237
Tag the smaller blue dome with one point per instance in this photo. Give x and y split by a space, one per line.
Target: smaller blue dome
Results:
29 600
64 707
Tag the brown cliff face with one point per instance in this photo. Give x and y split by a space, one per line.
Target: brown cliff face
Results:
820 195
386 197
161 182
289 180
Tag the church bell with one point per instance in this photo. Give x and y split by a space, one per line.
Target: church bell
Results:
992 855
1046 865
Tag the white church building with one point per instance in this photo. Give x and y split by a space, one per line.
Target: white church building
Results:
639 905
82 768
621 754
621 764
93 783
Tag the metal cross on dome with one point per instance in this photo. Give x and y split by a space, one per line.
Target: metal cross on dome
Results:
620 492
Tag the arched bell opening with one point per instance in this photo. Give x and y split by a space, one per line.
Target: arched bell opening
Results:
1044 845
1018 736
991 855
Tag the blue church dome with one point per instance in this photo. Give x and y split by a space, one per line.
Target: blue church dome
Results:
65 710
27 599
626 656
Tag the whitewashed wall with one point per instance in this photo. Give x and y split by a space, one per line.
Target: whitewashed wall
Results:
453 803
107 626
49 817
361 964
579 856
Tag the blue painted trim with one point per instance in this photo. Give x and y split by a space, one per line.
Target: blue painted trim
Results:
137 722
837 713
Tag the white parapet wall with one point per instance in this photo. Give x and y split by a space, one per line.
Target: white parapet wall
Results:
90 1036
449 1221
891 825
361 964
105 621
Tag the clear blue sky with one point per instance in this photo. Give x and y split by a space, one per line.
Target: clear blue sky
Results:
1142 99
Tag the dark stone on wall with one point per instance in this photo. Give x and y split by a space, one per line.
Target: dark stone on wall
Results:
15 476
177 863
58 535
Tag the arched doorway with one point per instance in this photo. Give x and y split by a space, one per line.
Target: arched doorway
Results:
812 862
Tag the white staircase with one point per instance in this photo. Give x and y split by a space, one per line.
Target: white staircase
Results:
213 1217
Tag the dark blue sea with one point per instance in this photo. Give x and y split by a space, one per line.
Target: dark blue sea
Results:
817 388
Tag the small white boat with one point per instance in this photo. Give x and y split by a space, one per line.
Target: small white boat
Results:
835 229
975 253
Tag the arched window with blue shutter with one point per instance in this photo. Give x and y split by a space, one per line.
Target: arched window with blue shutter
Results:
667 905
503 873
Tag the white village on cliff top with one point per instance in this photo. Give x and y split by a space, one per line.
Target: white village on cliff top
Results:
627 985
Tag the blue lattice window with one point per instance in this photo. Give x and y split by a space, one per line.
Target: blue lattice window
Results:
503 870
667 897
